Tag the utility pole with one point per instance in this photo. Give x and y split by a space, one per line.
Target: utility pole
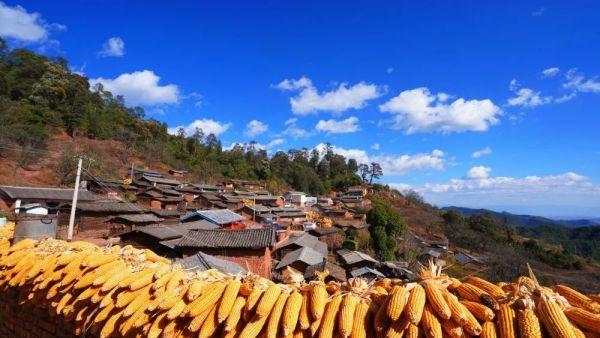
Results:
131 176
74 203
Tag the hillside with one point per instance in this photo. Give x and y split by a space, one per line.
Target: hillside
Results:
515 220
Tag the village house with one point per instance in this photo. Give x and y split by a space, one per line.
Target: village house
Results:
169 216
177 173
234 184
108 188
468 260
232 202
331 236
299 240
93 216
138 173
335 272
224 218
300 259
357 190
356 259
161 198
160 238
127 222
267 200
161 181
12 198
209 200
255 212
250 248
366 273
208 188
202 262
396 269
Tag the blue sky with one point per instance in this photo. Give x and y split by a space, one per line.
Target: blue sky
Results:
473 103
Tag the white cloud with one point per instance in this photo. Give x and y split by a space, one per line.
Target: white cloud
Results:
526 97
289 121
310 101
115 46
208 126
140 88
550 72
16 23
483 152
332 126
394 164
293 130
479 188
375 146
256 127
578 82
269 147
389 70
479 172
418 110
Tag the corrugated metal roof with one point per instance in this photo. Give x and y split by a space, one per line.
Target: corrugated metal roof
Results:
49 194
217 216
304 254
366 271
352 257
202 262
238 239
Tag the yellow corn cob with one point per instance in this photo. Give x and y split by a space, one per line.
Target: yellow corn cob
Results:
431 325
480 311
228 298
166 301
346 318
291 313
328 321
314 327
88 293
210 325
436 300
105 259
416 302
452 329
275 316
397 328
157 326
63 302
162 280
142 279
506 321
141 300
110 325
253 327
304 316
361 320
251 302
176 310
488 330
492 289
472 293
318 298
115 280
457 310
472 326
578 299
412 331
207 300
101 271
235 314
554 319
129 323
24 244
126 297
104 313
268 300
585 319
109 298
196 323
175 280
195 290
529 325
152 257
397 302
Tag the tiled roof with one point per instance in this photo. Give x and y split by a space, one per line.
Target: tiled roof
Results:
166 213
161 233
258 208
202 262
305 240
201 224
304 254
161 180
238 239
137 218
291 214
51 194
111 206
217 216
325 231
285 209
352 257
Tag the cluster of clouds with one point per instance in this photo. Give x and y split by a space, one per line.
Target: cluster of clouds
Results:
573 82
17 24
208 126
140 88
114 46
394 164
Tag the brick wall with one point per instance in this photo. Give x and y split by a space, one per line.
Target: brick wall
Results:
28 321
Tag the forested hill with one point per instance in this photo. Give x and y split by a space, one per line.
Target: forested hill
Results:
515 220
40 97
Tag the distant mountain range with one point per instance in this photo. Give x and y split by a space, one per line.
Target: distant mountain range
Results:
527 220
